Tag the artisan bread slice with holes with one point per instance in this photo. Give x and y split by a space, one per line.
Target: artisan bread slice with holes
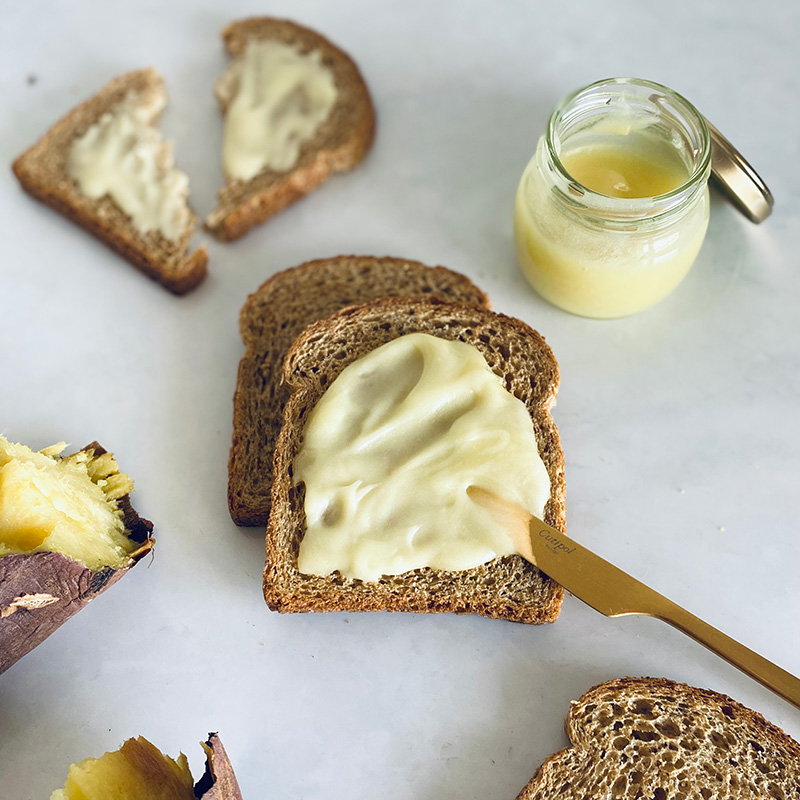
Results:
273 316
653 738
506 587
111 138
335 143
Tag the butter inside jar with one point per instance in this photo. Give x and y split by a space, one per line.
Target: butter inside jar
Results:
276 98
389 451
613 208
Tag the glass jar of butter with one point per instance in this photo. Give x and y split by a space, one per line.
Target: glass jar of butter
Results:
613 207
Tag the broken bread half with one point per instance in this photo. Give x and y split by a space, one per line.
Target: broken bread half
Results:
107 168
67 532
503 587
269 322
296 110
650 737
140 771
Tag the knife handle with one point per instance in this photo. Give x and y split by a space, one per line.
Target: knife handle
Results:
751 663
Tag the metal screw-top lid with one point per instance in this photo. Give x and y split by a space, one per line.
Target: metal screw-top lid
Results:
734 175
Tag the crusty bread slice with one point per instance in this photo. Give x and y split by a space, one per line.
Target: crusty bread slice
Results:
270 321
652 738
505 588
338 145
42 171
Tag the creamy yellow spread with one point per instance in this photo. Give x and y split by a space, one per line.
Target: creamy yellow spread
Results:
617 170
126 158
390 450
596 271
277 98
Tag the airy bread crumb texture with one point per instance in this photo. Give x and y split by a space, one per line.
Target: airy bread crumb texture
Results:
653 738
505 588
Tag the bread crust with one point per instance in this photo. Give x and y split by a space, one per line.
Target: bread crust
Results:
339 145
42 173
271 319
506 588
652 737
39 592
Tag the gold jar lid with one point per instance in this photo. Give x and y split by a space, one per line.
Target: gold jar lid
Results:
733 174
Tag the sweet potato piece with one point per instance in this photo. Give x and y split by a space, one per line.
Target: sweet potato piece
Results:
139 771
41 588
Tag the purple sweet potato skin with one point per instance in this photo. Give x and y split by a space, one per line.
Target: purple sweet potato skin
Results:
39 592
218 782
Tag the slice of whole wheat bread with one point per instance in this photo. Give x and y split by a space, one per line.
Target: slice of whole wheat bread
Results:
42 171
505 588
652 738
338 145
270 321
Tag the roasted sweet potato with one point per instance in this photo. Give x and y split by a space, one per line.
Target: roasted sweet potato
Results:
67 532
139 771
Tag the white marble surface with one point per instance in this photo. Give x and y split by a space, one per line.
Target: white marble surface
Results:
680 426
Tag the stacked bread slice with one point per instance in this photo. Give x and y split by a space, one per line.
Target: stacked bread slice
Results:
272 318
286 368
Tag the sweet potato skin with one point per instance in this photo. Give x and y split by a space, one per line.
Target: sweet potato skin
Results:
218 781
39 592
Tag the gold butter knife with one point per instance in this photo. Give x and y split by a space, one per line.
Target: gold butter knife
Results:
614 593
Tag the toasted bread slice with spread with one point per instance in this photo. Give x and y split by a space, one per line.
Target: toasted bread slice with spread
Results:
269 322
651 737
506 587
105 167
303 93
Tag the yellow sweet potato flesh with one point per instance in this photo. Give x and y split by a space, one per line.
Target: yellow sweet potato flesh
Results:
64 505
137 771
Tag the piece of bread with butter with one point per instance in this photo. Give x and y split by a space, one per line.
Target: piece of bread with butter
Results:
653 738
67 532
397 407
296 110
107 168
273 317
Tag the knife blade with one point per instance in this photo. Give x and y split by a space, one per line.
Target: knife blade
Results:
614 593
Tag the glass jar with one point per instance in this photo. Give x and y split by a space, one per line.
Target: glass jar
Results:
622 245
